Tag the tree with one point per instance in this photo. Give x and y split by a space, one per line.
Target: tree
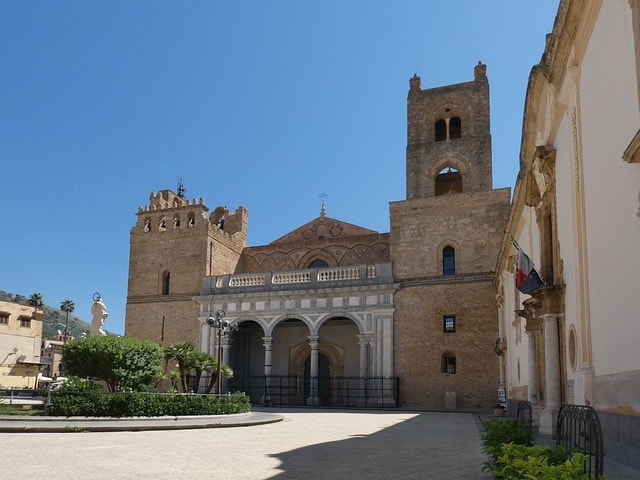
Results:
36 300
225 372
121 362
67 306
180 352
192 364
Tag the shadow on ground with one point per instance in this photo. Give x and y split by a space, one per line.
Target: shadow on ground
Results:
438 446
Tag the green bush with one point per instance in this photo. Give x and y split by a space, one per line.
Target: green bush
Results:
76 384
499 432
120 362
100 404
517 462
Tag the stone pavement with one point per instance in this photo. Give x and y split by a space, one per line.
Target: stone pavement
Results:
279 444
305 444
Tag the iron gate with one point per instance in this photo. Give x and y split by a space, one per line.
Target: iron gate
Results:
296 390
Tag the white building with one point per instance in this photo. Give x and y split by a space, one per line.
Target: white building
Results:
20 337
576 213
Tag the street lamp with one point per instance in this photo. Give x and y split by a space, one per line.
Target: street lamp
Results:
221 326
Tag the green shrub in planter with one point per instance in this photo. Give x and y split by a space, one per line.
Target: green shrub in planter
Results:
517 462
499 432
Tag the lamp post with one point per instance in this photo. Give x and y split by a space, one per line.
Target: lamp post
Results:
221 326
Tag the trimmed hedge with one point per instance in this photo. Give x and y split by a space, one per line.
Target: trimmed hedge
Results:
136 404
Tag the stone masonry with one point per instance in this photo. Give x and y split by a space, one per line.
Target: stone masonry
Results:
416 303
450 205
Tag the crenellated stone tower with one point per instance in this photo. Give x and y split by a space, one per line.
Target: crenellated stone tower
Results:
174 244
444 244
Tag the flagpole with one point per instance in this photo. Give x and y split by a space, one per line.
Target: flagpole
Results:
513 240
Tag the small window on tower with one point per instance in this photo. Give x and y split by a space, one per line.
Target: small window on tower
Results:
147 225
448 363
449 324
455 128
448 182
162 225
166 279
448 261
441 131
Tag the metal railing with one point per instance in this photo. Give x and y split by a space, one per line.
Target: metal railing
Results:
10 396
296 390
524 417
578 428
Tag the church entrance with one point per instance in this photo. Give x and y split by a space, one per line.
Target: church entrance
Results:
323 380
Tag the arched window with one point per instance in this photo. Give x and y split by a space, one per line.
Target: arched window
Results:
441 131
166 278
318 263
162 224
176 221
455 128
448 182
147 225
448 261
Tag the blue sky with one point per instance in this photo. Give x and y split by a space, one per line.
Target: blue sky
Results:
264 104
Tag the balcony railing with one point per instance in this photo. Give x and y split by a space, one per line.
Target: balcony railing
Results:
308 278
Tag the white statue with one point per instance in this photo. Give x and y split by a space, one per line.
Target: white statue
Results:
99 314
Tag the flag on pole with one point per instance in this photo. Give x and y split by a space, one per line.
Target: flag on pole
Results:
527 277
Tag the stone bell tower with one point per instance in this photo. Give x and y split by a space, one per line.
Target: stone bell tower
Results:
444 245
449 137
173 245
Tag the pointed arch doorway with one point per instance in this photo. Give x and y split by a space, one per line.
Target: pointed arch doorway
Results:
324 380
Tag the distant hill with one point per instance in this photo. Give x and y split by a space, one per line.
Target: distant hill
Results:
54 318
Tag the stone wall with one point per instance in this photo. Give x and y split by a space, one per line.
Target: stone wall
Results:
470 153
472 224
173 246
420 344
450 205
358 250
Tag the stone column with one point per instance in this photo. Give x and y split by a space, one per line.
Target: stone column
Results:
552 361
532 371
549 412
314 398
268 352
268 369
363 341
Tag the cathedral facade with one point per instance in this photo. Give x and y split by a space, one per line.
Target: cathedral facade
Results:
337 314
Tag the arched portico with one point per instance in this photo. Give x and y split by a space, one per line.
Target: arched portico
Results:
342 334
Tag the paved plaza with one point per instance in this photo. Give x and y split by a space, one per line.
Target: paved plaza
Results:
269 443
306 444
